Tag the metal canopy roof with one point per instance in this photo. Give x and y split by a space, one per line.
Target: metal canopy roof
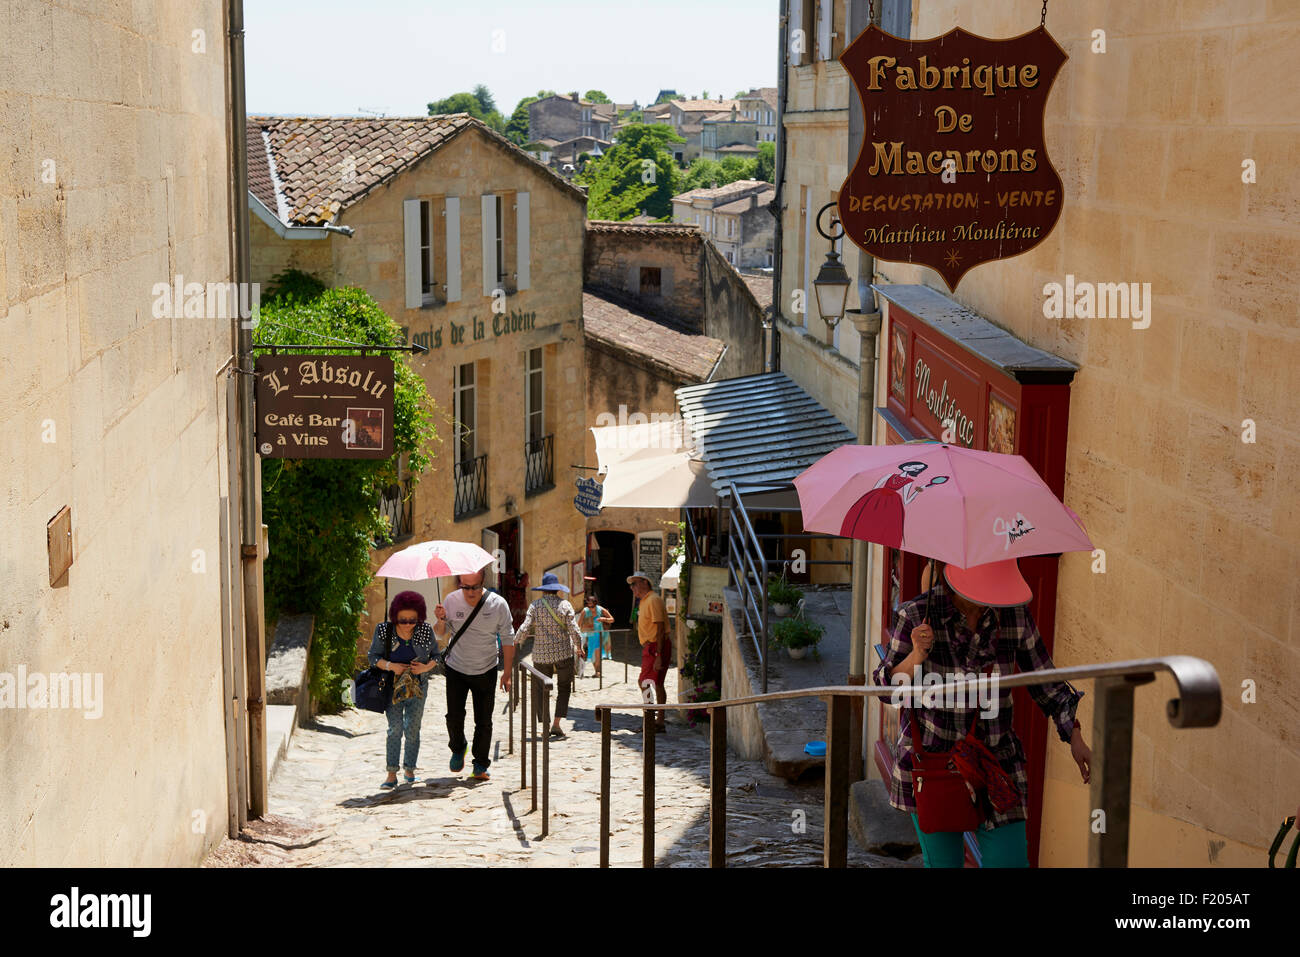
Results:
758 431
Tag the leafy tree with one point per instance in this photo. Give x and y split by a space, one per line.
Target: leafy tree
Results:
766 168
706 173
703 174
734 168
322 513
487 103
596 96
471 104
617 181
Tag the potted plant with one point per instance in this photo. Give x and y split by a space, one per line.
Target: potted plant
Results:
782 596
798 635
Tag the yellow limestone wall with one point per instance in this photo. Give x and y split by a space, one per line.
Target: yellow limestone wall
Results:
113 177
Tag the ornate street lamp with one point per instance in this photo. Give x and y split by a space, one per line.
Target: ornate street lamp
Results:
832 282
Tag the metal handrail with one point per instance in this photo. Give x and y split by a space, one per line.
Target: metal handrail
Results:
741 562
1198 704
541 700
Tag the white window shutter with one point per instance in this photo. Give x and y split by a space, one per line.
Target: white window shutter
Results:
489 208
522 262
411 247
824 9
796 23
453 248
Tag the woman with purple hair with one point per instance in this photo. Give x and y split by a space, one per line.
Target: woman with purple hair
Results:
411 647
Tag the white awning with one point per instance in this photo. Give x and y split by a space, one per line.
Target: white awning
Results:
647 440
648 466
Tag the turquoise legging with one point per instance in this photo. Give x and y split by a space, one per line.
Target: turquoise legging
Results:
1004 846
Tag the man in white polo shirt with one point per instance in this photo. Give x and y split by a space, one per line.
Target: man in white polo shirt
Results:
471 665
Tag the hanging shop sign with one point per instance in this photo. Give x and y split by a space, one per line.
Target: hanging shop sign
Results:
587 501
324 407
953 170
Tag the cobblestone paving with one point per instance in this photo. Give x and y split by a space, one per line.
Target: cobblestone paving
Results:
327 809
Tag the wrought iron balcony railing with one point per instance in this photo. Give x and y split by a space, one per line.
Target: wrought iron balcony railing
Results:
539 465
395 504
471 487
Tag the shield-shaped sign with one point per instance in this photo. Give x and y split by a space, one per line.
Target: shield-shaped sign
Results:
953 170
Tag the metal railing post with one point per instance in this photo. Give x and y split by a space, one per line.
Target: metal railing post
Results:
1112 767
605 721
522 678
835 827
546 756
537 690
648 788
718 787
510 707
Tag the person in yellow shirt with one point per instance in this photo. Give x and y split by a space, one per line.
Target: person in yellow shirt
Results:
656 647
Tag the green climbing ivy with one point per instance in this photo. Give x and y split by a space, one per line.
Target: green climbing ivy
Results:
322 514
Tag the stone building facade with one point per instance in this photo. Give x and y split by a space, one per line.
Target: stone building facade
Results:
563 118
1198 526
507 366
670 272
662 310
115 408
736 218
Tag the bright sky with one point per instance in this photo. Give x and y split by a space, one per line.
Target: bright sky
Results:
394 56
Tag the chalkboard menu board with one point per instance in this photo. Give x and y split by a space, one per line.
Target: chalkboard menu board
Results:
650 558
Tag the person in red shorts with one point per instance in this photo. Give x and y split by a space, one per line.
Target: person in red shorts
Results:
656 647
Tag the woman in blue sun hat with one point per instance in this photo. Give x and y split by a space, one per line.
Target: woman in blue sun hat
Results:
556 638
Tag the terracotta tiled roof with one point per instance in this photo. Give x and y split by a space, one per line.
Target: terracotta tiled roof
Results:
259 168
324 164
725 194
641 229
680 355
747 203
761 286
705 106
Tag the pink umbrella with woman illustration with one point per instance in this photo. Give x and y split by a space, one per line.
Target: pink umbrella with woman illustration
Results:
978 507
879 515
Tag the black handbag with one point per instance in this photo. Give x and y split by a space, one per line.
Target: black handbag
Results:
374 687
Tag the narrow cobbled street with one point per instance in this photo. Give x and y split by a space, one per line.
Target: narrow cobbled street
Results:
327 809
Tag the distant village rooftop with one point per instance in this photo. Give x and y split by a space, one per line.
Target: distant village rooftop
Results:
307 169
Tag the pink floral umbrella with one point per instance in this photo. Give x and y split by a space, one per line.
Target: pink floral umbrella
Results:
960 506
433 560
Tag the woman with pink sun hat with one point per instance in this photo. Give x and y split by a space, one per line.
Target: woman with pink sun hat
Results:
975 621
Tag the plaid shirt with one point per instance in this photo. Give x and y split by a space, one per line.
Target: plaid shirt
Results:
554 641
1005 640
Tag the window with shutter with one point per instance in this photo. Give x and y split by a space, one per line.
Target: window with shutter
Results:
523 241
451 248
466 413
411 253
488 210
825 14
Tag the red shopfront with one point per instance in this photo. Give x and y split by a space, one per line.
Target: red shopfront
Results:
944 362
